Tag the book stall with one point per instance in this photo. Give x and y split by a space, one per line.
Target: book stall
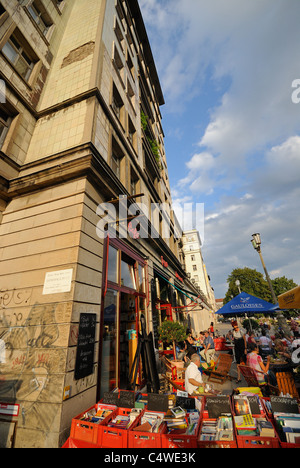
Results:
285 414
132 420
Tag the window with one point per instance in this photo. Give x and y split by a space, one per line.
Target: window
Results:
112 274
130 65
109 368
194 267
118 63
133 182
6 115
127 272
20 54
115 165
119 36
131 132
116 159
192 258
40 16
117 103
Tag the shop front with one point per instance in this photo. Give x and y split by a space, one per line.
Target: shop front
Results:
125 298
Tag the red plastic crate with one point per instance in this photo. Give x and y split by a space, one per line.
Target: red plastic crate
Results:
170 441
138 439
112 437
271 417
86 431
214 443
246 441
257 442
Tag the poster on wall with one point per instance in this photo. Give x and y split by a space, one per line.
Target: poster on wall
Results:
86 346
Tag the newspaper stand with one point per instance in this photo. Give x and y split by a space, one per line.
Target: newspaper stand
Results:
88 432
139 440
112 437
249 441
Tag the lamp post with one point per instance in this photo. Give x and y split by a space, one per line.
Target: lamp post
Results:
256 242
238 284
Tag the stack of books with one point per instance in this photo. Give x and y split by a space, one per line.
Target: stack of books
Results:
150 422
288 425
220 429
265 428
176 420
125 421
97 414
245 425
209 430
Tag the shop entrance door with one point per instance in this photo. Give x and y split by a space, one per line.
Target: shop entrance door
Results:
128 336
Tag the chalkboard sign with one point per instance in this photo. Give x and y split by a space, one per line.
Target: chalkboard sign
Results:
126 399
185 403
284 405
254 405
111 398
85 347
217 406
157 402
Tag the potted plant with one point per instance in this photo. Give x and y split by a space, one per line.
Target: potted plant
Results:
170 332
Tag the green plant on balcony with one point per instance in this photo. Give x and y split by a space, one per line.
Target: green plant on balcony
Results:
144 120
153 143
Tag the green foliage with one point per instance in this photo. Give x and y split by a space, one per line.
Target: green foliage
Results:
155 151
153 143
251 282
144 120
254 324
282 285
171 331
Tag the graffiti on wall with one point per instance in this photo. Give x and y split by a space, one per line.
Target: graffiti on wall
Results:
29 360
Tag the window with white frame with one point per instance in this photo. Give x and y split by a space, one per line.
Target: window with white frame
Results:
20 54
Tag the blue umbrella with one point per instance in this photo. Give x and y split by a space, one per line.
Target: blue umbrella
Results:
245 303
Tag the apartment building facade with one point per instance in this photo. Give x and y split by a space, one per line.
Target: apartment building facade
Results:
82 161
197 272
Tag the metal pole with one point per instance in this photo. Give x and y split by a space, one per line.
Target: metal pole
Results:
268 278
280 317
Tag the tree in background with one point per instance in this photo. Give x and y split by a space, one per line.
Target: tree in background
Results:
253 282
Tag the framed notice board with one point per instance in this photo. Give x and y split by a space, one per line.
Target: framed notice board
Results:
86 346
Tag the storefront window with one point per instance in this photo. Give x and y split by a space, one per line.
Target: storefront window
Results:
109 345
112 274
141 285
127 272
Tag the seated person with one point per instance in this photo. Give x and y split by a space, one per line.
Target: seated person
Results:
181 350
265 344
262 372
193 377
190 349
209 347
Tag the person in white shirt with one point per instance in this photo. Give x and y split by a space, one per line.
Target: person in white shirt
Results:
193 377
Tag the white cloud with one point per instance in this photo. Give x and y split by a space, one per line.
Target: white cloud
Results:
248 154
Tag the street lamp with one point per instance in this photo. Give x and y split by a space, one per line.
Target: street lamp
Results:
238 284
256 242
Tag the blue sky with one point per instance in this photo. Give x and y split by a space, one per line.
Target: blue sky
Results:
232 132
